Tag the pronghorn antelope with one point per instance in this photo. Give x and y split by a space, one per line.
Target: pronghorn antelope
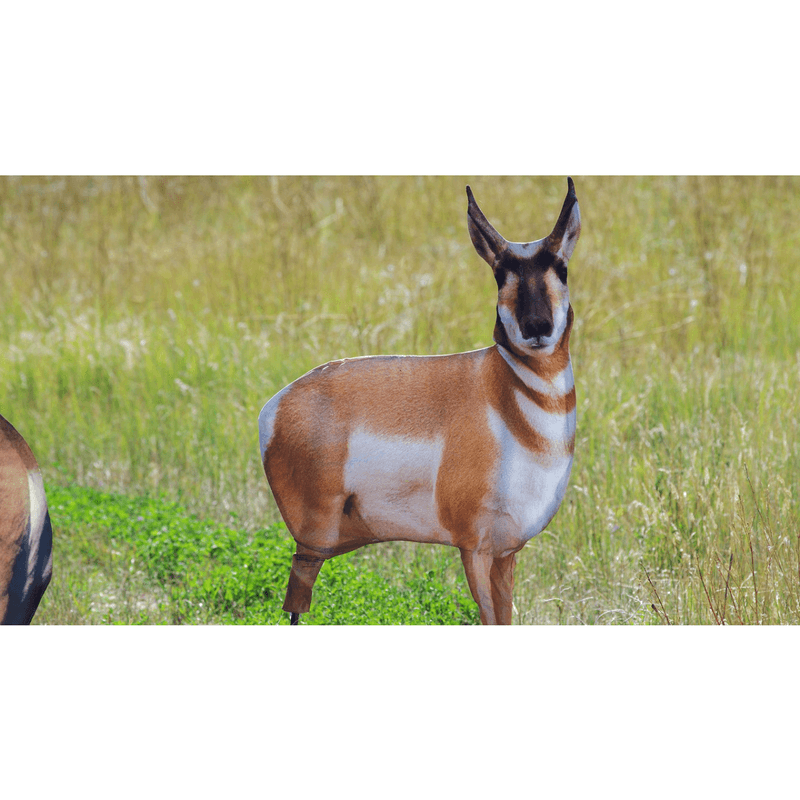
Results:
26 539
472 450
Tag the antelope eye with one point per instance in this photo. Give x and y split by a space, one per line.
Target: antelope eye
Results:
561 271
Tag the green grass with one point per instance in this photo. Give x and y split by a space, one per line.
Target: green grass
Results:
144 323
143 560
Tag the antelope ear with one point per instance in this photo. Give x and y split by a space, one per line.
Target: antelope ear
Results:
488 242
562 240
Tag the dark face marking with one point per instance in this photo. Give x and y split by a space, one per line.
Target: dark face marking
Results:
500 275
546 258
534 310
531 303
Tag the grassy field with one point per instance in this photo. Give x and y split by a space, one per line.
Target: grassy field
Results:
144 322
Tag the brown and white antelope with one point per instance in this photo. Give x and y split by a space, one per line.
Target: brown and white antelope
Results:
472 450
26 538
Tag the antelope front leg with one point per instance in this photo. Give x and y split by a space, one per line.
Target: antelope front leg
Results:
478 567
502 575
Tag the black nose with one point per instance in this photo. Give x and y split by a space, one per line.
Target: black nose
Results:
537 326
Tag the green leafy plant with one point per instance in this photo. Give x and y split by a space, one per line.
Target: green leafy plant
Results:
195 571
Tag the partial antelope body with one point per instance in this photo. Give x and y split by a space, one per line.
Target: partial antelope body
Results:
26 538
472 450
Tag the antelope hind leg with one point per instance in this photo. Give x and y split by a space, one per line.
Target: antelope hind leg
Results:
502 577
305 568
478 567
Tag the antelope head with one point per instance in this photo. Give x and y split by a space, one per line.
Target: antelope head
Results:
533 310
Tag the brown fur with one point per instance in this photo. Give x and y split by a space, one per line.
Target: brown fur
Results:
396 395
16 462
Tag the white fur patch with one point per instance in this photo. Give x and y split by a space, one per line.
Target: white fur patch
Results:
524 249
529 488
394 481
38 509
557 428
560 313
266 419
555 387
